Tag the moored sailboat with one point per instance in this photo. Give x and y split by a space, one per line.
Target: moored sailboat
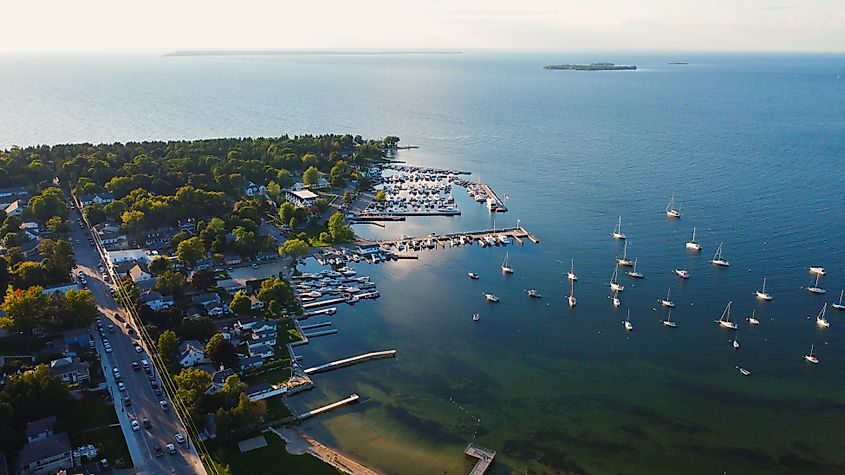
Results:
571 297
811 356
669 322
692 244
725 320
753 318
671 211
571 274
839 306
624 261
718 259
667 302
815 287
627 323
615 299
505 267
614 284
634 273
821 321
762 294
617 231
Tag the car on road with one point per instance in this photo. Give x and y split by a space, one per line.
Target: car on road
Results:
138 348
153 383
135 426
136 366
146 422
164 406
126 401
159 451
157 391
121 387
107 347
180 439
111 328
111 291
171 448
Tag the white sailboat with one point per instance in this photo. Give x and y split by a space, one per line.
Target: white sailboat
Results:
815 287
817 270
572 293
614 284
753 318
634 273
667 302
725 320
743 371
571 275
692 244
811 356
505 267
717 258
762 294
615 299
671 211
820 320
624 261
839 306
627 322
617 231
668 322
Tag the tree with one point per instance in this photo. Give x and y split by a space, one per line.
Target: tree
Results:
48 203
311 176
35 394
160 264
294 248
196 328
231 390
94 213
5 277
275 292
347 197
57 260
203 279
25 309
190 251
246 241
340 231
168 349
191 384
71 309
391 141
221 352
240 303
380 195
58 226
339 173
28 273
274 191
171 282
241 419
127 291
286 212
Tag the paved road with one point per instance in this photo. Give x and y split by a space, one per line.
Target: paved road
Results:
144 402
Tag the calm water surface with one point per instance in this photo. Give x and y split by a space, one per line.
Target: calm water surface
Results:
752 146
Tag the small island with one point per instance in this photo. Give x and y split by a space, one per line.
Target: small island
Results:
592 67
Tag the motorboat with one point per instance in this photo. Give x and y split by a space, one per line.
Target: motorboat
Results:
491 298
472 275
534 294
682 273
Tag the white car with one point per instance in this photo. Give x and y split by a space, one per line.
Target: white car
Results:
108 348
164 406
180 439
121 387
135 425
138 348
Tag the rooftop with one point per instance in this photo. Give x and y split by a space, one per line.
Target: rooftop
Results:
44 448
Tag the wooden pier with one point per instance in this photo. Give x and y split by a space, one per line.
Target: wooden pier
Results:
491 195
320 333
351 361
322 303
316 325
441 240
484 456
305 415
314 313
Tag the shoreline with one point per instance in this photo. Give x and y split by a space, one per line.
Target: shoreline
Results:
298 442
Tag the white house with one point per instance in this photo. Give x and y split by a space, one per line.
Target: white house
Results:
15 208
99 198
301 198
191 353
155 301
138 274
254 303
139 255
110 236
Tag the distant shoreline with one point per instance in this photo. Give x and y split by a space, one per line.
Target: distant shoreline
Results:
250 52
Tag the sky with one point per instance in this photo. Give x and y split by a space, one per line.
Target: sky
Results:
688 25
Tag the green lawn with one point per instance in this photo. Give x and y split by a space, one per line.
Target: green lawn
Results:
272 459
90 421
276 410
276 376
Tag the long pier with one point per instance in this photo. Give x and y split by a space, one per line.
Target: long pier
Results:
484 456
316 325
328 407
491 195
516 233
320 333
351 361
322 303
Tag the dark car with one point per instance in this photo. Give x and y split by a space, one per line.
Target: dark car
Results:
157 391
127 402
136 366
154 383
146 423
159 451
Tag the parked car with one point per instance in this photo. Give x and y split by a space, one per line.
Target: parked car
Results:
180 439
121 387
111 328
126 401
157 391
171 448
164 406
135 425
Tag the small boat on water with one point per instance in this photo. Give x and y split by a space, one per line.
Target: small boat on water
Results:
762 294
571 274
352 299
475 317
634 273
815 287
725 320
839 306
615 299
571 297
624 261
753 318
491 298
534 294
472 275
817 270
717 258
735 344
811 356
505 267
671 211
743 371
617 231
682 273
614 284
667 302
627 323
692 244
820 320
668 322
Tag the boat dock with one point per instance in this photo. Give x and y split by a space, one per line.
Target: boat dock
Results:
518 234
322 303
319 311
320 410
351 361
316 325
320 333
497 204
484 456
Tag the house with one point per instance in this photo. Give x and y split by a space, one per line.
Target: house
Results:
15 208
40 429
8 195
127 255
301 198
103 198
262 326
111 236
248 323
191 353
70 370
231 259
264 351
46 456
251 189
215 310
59 288
30 227
138 274
267 339
250 362
230 285
193 312
254 303
159 237
263 391
218 379
77 336
156 301
207 300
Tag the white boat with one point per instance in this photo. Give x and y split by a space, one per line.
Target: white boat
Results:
627 323
692 244
634 273
475 317
472 275
534 294
571 275
617 231
725 320
820 320
815 287
614 285
839 306
811 356
753 318
571 293
615 299
682 273
735 344
505 267
671 211
762 294
717 258
491 298
667 302
817 270
352 299
624 261
668 322
743 371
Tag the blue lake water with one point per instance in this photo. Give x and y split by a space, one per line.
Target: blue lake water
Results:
753 147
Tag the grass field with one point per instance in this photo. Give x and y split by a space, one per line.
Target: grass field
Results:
269 460
91 421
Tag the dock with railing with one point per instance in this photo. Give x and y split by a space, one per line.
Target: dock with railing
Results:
484 456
